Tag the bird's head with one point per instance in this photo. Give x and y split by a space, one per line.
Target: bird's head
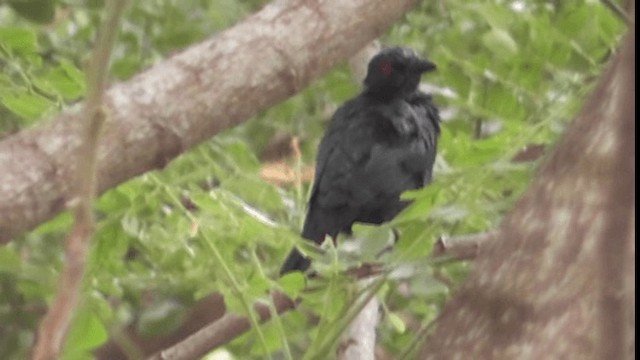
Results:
395 73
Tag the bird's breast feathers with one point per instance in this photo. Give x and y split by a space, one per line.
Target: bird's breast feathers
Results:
368 148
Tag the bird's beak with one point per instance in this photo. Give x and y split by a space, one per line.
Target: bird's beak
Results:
424 66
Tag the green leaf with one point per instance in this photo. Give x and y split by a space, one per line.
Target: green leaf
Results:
292 284
19 40
86 333
257 286
238 154
496 16
125 67
114 201
161 318
272 341
372 239
27 105
397 322
424 200
64 80
500 42
9 260
40 11
255 192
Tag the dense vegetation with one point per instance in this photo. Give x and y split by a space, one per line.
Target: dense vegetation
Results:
511 74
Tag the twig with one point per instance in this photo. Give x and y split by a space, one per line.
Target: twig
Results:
460 248
230 326
220 332
618 10
359 340
55 324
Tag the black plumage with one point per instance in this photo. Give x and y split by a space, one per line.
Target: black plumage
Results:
378 145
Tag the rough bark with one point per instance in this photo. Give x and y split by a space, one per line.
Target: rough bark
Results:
186 99
558 280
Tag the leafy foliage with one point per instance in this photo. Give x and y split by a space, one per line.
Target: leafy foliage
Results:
510 74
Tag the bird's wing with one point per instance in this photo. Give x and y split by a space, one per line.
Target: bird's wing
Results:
403 156
369 155
428 124
346 144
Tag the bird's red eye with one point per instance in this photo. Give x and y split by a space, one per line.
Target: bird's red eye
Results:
386 68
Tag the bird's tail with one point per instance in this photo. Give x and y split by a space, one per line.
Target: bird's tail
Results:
295 262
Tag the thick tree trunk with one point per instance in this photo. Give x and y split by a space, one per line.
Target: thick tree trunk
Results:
558 281
186 99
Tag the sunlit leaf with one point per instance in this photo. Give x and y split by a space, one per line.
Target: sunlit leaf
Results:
292 283
160 318
18 40
30 106
397 322
500 42
86 332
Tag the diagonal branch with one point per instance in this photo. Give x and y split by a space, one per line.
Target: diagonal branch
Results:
187 99
557 281
221 331
229 326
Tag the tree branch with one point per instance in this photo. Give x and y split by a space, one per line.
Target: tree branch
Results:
55 324
211 310
460 248
187 99
618 10
220 332
557 281
359 340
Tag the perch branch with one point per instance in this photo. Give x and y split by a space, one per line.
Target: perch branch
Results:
221 331
187 99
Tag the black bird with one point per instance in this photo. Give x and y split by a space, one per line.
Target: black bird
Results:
378 145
